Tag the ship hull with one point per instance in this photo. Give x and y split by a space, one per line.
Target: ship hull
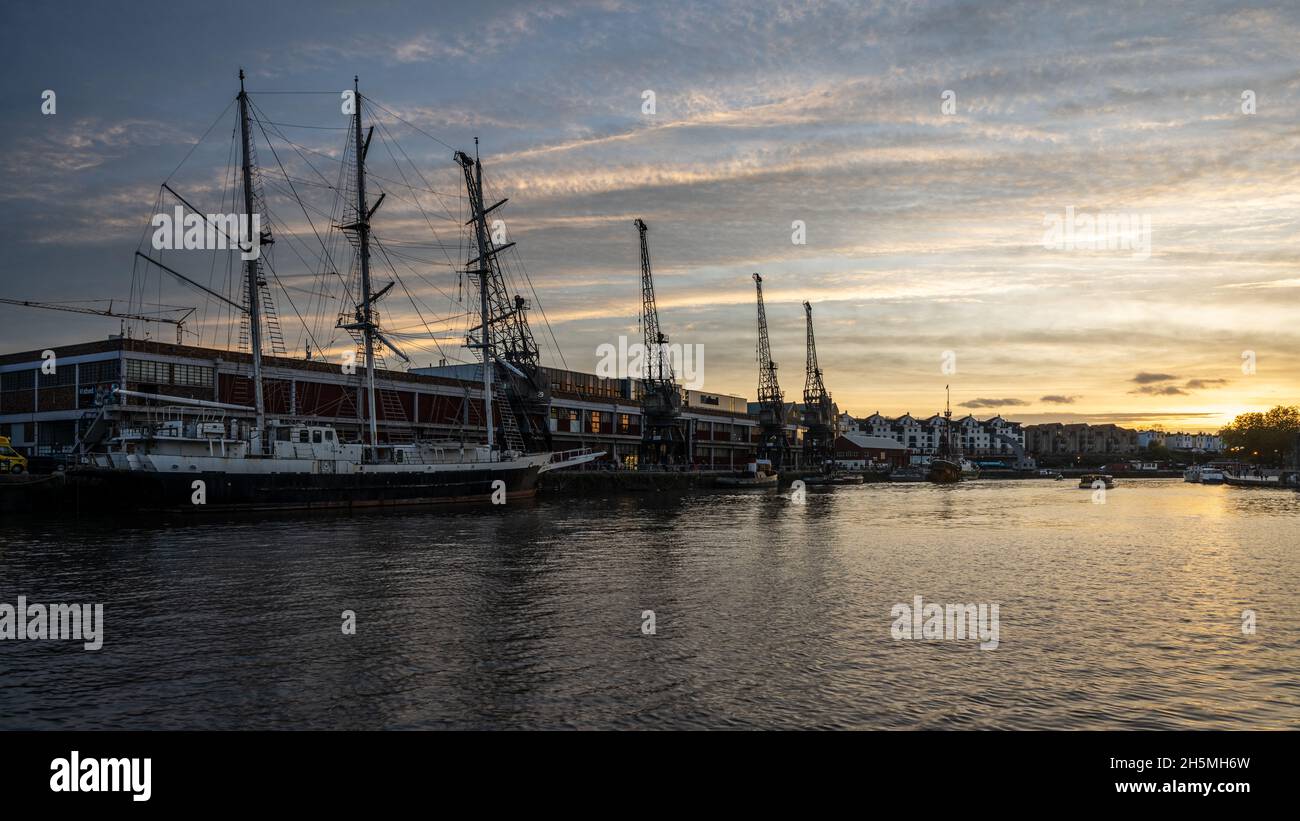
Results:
107 489
943 472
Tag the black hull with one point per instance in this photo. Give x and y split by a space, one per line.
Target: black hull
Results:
101 489
944 472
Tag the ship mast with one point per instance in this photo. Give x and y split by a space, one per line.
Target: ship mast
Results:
254 309
362 226
947 426
474 184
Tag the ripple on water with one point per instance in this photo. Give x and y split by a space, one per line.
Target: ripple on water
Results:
768 613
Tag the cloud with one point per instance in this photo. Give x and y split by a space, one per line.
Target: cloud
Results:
993 403
1145 378
1160 390
1058 399
1204 383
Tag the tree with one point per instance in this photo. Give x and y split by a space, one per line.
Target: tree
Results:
1264 437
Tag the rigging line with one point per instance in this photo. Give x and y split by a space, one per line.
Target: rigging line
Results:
299 180
537 300
135 264
276 155
289 194
320 127
424 280
212 270
289 297
407 291
390 141
297 149
369 174
381 106
200 140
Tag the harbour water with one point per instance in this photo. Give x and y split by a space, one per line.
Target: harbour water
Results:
768 613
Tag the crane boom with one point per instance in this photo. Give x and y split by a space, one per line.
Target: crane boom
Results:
109 312
659 367
817 411
662 438
771 401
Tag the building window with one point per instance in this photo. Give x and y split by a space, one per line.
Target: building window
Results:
18 380
196 376
140 370
66 375
91 373
164 373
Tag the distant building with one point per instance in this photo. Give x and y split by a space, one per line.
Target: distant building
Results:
605 414
1079 438
1194 442
858 451
1147 438
990 437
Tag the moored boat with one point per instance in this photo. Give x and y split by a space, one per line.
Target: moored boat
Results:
1257 479
149 450
758 473
1096 481
913 473
834 479
948 466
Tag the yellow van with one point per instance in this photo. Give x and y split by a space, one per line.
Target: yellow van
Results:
11 461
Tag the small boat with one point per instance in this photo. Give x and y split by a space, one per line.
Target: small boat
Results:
758 473
834 479
1204 474
1091 481
908 474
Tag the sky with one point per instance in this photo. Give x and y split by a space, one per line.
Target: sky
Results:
933 154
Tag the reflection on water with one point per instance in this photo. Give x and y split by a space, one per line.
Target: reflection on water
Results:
768 613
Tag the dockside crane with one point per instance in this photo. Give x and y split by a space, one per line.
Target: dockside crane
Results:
771 415
179 322
663 441
818 413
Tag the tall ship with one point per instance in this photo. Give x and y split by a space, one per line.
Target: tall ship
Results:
949 465
181 452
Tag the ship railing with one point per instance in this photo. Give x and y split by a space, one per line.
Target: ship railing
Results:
566 455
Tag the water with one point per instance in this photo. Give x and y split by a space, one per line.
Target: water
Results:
769 614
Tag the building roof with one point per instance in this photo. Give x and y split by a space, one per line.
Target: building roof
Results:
867 442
